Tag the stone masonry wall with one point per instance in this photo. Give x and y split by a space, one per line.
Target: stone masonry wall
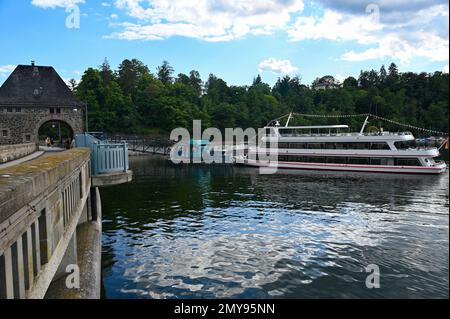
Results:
15 151
21 124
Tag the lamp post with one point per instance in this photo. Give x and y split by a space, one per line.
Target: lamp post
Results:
86 114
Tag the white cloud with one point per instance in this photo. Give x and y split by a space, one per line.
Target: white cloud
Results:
334 26
114 16
422 34
55 3
445 69
105 4
277 66
5 70
209 20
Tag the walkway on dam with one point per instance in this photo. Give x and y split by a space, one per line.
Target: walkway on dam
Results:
41 151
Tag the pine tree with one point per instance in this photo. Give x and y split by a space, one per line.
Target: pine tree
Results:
257 80
105 72
393 70
383 73
165 72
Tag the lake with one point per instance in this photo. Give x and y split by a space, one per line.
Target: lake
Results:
228 232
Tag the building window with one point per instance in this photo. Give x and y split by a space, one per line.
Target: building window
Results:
58 110
4 133
18 109
9 109
52 110
27 137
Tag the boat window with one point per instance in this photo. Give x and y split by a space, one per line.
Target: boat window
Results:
297 145
318 159
358 160
403 145
407 162
286 132
314 146
379 146
350 160
337 160
376 161
361 146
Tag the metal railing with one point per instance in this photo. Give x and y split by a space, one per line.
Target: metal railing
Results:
142 143
105 157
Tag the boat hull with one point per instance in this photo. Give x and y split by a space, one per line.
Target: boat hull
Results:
351 168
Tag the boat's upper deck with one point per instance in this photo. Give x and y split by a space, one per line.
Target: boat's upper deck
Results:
333 133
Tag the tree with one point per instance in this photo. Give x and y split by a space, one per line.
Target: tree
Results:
89 90
393 70
129 73
73 85
282 86
373 78
257 80
383 74
183 79
196 81
364 79
165 72
350 82
132 100
216 89
106 73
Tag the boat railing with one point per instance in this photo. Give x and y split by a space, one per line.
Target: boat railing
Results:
418 148
340 134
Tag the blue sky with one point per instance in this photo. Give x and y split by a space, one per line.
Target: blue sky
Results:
234 39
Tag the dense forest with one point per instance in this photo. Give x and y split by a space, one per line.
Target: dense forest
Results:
133 99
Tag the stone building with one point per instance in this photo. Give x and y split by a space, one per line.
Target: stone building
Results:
33 96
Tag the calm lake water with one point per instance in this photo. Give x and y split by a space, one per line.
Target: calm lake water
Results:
228 232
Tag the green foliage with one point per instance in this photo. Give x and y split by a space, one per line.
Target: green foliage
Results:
133 100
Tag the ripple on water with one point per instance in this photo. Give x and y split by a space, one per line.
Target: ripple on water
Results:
230 233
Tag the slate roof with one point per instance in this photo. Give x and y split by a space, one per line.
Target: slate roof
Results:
37 86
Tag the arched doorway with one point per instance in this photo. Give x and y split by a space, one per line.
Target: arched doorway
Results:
59 132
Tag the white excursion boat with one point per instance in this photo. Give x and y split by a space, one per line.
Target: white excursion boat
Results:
334 148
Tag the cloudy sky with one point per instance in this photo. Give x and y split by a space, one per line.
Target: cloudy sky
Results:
234 39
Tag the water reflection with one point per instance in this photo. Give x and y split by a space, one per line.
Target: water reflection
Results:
194 232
